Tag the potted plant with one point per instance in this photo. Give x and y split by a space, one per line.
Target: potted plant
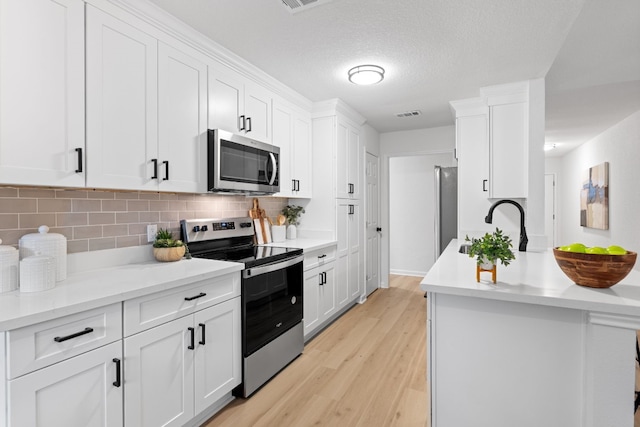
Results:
292 213
166 248
490 248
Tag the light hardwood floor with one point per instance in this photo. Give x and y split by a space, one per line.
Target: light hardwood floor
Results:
367 369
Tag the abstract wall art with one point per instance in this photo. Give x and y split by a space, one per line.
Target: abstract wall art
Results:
594 197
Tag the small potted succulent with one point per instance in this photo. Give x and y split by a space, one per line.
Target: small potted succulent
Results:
490 248
166 248
292 213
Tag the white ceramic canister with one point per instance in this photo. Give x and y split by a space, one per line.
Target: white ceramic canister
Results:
9 261
37 273
49 244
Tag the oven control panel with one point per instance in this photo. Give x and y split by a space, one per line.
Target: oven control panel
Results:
199 230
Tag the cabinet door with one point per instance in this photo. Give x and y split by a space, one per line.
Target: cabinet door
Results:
122 107
301 164
226 98
311 305
354 168
75 392
159 375
182 101
218 354
328 290
282 137
473 172
342 254
342 160
42 87
509 156
257 109
355 234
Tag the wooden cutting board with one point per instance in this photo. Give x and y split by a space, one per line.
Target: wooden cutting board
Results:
260 223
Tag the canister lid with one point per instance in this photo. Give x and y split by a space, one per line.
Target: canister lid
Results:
6 248
42 235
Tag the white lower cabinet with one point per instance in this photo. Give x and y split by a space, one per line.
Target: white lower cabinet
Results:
349 255
320 289
81 391
176 370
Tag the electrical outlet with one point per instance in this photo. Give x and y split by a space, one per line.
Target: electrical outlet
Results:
152 229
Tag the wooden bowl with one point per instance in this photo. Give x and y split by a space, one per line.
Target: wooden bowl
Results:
594 270
169 254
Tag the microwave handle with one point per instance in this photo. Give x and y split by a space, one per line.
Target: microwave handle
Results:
275 169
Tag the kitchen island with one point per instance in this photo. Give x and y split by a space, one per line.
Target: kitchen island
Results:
534 349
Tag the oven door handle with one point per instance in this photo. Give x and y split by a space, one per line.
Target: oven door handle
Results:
268 268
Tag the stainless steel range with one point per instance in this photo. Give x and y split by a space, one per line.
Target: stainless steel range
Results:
272 331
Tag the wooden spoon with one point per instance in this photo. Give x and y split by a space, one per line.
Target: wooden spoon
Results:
281 219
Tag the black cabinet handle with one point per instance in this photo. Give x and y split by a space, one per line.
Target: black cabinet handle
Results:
248 124
322 256
77 334
166 170
118 381
484 185
324 277
351 210
297 185
320 278
202 339
79 151
155 168
200 295
243 121
192 331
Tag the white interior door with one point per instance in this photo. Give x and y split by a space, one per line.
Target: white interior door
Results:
372 280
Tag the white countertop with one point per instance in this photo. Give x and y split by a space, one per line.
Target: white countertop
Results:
533 278
89 289
305 244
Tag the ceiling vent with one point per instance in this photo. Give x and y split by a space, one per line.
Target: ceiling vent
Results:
411 113
295 6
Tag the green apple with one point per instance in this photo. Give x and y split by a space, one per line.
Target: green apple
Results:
597 250
577 247
565 248
616 250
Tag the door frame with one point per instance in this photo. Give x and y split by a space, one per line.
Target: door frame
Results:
385 255
379 254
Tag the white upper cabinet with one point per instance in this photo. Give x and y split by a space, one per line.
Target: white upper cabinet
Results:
146 110
509 150
42 92
292 133
182 101
348 180
238 105
122 104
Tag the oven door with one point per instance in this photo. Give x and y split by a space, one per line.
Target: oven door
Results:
271 302
242 165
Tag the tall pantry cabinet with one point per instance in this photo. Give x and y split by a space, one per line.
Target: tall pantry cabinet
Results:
337 190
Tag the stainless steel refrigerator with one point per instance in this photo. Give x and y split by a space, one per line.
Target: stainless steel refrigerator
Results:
446 215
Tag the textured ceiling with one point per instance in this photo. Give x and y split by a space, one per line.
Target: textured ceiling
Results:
433 51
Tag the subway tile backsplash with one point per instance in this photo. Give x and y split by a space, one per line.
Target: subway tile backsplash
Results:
93 220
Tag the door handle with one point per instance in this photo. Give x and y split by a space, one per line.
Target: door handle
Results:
118 381
155 168
243 121
484 184
192 332
248 124
378 229
79 151
274 163
202 338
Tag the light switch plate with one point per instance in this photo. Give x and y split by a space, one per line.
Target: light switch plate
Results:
152 229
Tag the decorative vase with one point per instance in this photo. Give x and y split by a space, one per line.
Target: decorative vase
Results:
169 254
292 232
487 264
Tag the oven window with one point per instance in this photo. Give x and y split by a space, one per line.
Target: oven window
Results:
239 163
272 305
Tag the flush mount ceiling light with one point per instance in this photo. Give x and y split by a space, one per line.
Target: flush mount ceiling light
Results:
366 74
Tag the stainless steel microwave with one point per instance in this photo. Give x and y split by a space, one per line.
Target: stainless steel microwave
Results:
237 164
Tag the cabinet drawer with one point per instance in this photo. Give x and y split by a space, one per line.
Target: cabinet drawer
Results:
36 346
319 257
152 310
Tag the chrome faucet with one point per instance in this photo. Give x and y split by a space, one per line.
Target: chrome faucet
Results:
522 247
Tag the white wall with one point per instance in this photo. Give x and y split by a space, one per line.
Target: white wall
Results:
620 146
412 212
440 140
370 140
